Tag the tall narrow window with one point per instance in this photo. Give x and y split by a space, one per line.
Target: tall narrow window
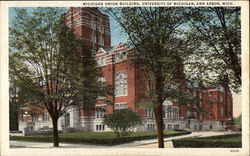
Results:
221 98
121 88
210 114
221 110
46 116
175 112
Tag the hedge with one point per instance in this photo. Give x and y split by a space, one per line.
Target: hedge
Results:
101 141
222 141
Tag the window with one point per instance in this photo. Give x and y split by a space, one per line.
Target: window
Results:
102 80
34 118
200 95
195 127
101 41
121 88
211 127
93 37
176 126
24 117
100 61
149 113
46 116
121 56
210 103
221 98
151 127
100 127
175 112
221 110
169 126
210 114
119 106
102 29
66 120
93 25
100 111
169 111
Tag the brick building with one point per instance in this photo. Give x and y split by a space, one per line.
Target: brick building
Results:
90 25
130 86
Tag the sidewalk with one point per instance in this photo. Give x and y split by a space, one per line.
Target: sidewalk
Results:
168 141
136 144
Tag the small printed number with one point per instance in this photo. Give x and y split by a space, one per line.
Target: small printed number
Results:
234 150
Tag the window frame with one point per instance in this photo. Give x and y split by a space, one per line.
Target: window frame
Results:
121 84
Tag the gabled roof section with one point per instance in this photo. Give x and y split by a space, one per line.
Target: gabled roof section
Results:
101 52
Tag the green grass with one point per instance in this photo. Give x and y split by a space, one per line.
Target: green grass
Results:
222 141
101 138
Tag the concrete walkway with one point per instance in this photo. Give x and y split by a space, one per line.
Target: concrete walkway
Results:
136 144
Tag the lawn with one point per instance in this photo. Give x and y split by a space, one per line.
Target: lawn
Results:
102 138
222 141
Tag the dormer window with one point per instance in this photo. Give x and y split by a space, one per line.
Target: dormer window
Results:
119 57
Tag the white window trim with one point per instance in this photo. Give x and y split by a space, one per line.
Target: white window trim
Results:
125 85
100 114
123 103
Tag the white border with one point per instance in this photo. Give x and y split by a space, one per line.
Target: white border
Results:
4 111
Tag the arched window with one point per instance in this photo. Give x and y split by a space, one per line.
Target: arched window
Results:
121 88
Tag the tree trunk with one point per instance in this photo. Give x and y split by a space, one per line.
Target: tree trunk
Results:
159 111
16 121
159 122
55 133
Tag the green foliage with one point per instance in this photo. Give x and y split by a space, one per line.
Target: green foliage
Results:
122 122
225 141
103 138
237 120
218 31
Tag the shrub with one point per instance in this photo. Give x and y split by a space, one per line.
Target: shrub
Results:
122 122
223 141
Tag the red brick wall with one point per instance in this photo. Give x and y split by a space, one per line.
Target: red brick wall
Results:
84 29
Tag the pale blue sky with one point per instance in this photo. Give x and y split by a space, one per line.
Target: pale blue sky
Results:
117 35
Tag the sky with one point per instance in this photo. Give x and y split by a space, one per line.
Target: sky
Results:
118 36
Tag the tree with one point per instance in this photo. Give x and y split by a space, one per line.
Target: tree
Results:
218 29
16 92
161 46
54 74
238 120
122 122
